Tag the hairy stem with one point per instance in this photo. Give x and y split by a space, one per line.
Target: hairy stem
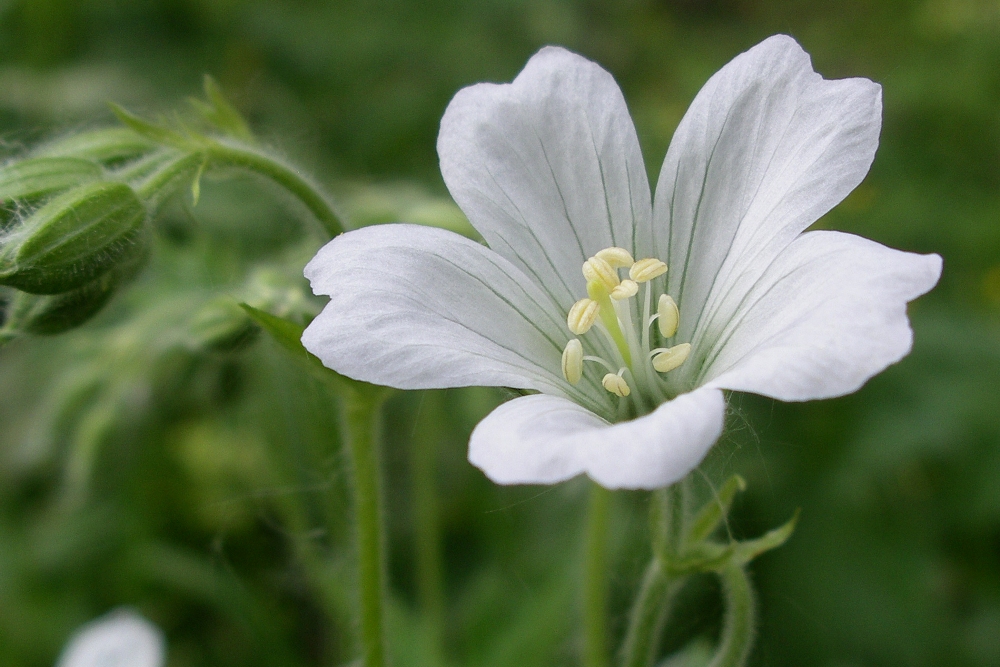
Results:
738 624
649 612
595 590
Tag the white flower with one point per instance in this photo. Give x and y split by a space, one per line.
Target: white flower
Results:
548 169
121 638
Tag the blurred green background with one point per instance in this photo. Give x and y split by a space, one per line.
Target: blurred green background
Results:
205 486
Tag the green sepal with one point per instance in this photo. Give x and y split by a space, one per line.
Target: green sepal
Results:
37 177
708 517
111 144
160 134
220 112
72 239
744 552
221 325
44 314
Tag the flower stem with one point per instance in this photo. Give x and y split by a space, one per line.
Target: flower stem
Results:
648 615
360 421
282 174
738 624
595 591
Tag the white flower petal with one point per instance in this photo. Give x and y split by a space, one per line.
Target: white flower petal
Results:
119 639
546 439
828 314
548 168
417 308
767 147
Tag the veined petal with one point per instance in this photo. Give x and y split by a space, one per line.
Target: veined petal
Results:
415 307
546 439
548 168
828 314
767 147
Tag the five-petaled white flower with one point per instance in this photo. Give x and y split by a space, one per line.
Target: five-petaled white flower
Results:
630 358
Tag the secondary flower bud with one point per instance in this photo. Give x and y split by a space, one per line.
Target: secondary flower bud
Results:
626 290
73 239
667 359
669 316
582 316
37 177
618 258
598 270
616 384
646 269
572 361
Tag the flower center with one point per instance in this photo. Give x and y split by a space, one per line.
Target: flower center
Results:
608 309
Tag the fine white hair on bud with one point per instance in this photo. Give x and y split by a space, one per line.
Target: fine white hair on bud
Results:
616 384
572 361
646 269
625 290
618 258
600 271
582 316
666 359
668 316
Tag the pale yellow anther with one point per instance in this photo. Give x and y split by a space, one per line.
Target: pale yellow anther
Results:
669 316
618 258
572 361
582 316
669 358
616 384
625 290
646 269
598 270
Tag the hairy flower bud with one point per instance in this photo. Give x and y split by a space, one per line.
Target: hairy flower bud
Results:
73 239
38 177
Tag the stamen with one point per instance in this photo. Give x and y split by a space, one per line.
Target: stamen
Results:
646 269
668 316
582 316
572 361
616 384
625 290
598 270
618 258
666 359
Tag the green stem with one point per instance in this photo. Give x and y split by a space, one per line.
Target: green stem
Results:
668 515
738 624
284 175
649 613
152 187
360 419
595 591
430 569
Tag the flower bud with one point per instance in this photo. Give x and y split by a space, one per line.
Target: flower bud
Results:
47 314
669 316
111 144
73 239
37 177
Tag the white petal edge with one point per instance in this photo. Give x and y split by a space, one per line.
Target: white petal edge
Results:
122 638
416 307
827 315
767 147
543 439
548 168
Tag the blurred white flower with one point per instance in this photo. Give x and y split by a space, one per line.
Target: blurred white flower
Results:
121 638
630 368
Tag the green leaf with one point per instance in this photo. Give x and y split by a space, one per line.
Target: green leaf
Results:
708 517
109 144
221 113
744 552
